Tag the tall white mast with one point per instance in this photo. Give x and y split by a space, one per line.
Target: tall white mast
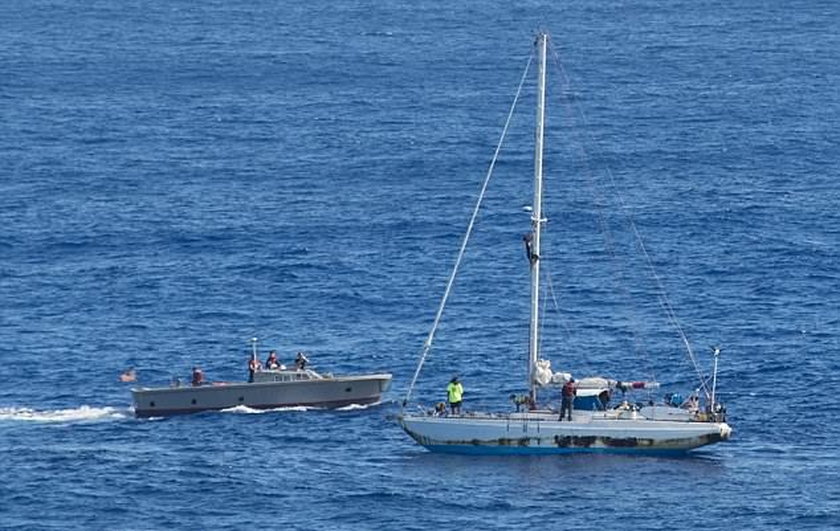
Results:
537 220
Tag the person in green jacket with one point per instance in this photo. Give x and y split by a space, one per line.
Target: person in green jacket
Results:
455 392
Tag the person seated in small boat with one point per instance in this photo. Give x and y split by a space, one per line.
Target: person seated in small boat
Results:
197 377
440 409
300 361
271 363
253 367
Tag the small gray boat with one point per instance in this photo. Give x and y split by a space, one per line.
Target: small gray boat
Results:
269 389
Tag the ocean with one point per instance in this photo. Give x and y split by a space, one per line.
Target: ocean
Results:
179 177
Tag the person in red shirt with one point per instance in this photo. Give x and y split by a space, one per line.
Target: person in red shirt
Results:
569 392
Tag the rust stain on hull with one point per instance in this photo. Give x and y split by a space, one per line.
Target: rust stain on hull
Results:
537 443
581 442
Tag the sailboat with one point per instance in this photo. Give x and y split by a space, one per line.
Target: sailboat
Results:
594 426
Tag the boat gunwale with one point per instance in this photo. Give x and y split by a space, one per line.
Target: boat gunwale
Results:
643 422
236 385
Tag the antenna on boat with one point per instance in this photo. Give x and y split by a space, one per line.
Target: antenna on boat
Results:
536 217
714 378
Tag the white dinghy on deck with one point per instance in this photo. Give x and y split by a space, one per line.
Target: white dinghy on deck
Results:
625 429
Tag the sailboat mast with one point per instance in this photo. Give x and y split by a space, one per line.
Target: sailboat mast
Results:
537 219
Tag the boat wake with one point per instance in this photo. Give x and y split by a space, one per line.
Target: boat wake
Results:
245 410
79 414
356 407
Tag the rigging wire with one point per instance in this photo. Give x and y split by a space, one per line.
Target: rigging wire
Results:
568 336
609 241
662 295
427 345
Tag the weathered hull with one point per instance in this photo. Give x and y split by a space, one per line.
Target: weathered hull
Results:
327 393
542 434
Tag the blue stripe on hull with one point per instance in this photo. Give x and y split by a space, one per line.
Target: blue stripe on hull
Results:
531 450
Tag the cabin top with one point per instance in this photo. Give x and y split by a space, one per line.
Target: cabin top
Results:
286 375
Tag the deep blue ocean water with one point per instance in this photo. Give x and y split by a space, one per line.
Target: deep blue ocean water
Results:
178 177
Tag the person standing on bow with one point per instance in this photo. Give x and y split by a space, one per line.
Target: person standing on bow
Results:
455 392
569 392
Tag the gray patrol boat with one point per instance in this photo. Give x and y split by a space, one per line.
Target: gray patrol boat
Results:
269 388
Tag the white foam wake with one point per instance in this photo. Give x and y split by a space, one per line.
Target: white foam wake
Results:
354 407
245 410
79 414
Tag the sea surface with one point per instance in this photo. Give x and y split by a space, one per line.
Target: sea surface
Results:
178 177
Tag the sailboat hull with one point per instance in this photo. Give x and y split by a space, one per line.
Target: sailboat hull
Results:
534 434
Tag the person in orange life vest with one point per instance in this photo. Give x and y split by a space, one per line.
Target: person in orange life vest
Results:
197 377
253 367
569 392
